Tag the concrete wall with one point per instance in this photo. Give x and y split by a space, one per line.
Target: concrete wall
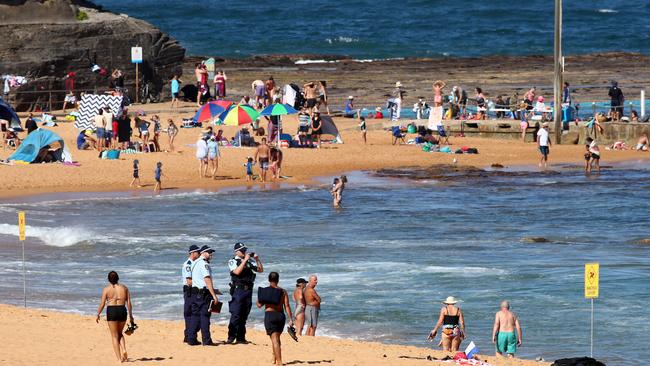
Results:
510 130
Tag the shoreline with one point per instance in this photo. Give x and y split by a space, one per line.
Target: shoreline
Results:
79 339
55 193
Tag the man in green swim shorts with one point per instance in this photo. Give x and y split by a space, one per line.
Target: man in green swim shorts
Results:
503 333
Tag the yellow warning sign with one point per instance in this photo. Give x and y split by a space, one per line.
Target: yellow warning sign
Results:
21 225
591 280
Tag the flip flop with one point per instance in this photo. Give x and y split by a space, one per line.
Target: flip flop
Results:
292 333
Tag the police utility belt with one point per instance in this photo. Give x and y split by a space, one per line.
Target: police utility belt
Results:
190 290
241 286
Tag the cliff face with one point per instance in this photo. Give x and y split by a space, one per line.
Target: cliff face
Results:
45 51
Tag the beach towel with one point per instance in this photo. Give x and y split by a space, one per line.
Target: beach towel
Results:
435 118
91 103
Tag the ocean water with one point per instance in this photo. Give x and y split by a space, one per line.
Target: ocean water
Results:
385 261
365 29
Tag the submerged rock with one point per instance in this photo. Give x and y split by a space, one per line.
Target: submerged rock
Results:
535 239
643 241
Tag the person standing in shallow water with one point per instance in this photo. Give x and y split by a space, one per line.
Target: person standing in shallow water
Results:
117 299
503 332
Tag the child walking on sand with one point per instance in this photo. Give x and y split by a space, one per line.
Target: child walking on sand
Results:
249 169
136 173
158 173
592 155
362 126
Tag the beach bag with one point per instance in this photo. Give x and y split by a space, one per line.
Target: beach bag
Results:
427 147
578 361
445 149
269 295
472 150
411 128
113 154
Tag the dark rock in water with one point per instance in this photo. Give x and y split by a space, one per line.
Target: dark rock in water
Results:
497 166
45 48
643 241
535 239
453 173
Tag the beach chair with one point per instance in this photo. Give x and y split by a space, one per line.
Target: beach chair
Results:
443 135
397 135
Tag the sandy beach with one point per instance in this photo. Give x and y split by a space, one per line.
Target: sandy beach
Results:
301 166
70 339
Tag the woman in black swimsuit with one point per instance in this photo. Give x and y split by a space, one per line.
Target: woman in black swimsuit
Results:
117 299
452 323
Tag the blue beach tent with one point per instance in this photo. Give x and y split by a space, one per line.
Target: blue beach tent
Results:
35 141
8 114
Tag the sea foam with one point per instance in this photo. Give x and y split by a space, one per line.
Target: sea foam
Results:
51 236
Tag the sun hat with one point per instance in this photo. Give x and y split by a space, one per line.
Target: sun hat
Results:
398 84
378 109
351 97
240 247
193 248
450 301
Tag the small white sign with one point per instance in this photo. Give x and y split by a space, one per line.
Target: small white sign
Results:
136 55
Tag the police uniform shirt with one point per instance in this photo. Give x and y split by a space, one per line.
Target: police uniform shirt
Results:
200 270
186 271
232 264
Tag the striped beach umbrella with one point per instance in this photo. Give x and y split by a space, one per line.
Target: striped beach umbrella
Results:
240 114
278 109
210 111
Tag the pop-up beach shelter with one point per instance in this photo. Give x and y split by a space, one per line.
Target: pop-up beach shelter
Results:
35 141
8 114
329 128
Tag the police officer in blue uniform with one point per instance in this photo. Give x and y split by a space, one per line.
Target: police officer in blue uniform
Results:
202 293
243 268
186 277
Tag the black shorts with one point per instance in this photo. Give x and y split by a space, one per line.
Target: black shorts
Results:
136 175
303 128
116 313
311 103
274 322
175 95
317 132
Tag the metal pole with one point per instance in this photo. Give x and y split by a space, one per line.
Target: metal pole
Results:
591 349
24 277
137 86
557 59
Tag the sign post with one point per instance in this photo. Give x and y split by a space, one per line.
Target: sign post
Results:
136 58
21 237
591 292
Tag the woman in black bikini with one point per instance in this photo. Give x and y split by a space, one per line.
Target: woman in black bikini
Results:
452 321
117 299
